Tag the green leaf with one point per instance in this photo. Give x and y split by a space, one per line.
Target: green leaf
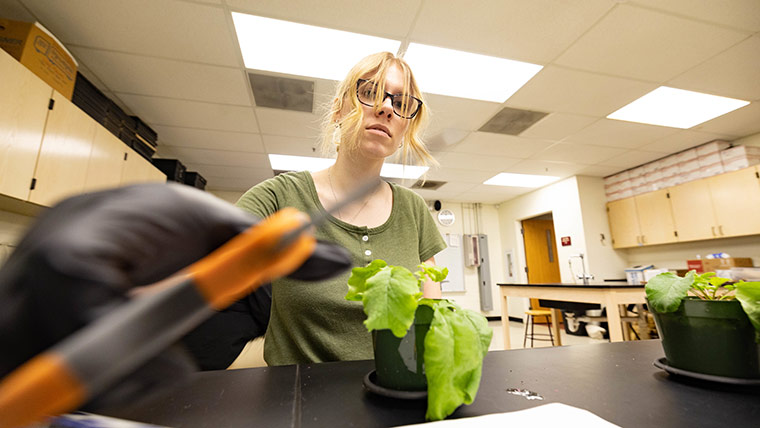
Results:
435 273
357 283
666 290
748 294
454 350
390 300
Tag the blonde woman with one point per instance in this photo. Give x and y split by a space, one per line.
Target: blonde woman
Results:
377 111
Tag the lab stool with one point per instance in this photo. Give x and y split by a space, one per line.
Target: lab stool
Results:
530 322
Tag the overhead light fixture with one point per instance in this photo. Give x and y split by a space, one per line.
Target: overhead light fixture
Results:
313 164
676 108
467 75
509 179
304 50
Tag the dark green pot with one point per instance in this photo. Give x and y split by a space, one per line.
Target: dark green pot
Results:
399 362
710 337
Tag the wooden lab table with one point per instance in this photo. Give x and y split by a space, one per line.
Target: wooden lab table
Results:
608 295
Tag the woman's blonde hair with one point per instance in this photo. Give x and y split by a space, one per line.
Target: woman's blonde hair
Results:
343 134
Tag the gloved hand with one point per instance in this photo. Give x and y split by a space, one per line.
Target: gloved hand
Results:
81 257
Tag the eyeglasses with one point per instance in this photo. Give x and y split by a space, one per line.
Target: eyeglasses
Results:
405 106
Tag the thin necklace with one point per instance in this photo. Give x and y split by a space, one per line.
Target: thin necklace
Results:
335 198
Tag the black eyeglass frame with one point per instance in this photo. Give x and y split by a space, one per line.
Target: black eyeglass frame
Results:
386 95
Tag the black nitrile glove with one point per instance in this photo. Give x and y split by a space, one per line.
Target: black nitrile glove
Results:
81 257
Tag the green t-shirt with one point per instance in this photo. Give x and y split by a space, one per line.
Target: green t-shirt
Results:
312 321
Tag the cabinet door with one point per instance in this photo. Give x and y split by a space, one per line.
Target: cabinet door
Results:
106 162
693 211
139 170
64 154
736 200
24 100
624 223
655 218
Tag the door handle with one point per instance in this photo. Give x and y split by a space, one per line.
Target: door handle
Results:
720 229
713 230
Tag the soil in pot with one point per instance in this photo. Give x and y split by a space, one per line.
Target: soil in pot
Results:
399 362
710 337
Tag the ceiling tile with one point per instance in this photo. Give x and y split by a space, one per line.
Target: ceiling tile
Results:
644 44
221 157
254 175
289 123
391 18
454 188
485 143
191 114
294 146
681 140
540 167
732 73
163 28
738 123
469 160
463 175
599 170
205 139
632 158
557 89
232 183
743 14
617 133
457 113
578 153
143 75
487 194
557 126
536 30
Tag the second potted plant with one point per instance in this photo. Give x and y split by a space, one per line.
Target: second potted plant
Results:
430 345
708 325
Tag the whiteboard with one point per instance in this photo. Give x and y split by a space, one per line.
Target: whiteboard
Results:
453 259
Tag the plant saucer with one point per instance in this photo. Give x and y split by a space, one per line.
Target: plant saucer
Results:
370 382
662 363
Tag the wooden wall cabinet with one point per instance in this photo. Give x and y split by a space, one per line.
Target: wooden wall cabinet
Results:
50 149
724 205
24 102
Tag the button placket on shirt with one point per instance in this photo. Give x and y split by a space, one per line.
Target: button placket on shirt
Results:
366 249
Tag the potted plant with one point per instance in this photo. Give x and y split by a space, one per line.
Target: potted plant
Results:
421 344
708 325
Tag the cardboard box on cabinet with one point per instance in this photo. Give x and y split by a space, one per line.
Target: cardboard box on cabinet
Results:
37 49
711 265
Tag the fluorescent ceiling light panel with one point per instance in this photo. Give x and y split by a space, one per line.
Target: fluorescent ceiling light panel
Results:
467 75
312 164
304 50
508 179
676 108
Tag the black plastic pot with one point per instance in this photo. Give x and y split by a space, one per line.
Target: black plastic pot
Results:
710 337
399 362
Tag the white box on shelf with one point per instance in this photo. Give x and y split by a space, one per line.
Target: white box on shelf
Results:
712 169
710 159
739 152
734 164
635 274
669 161
686 155
689 176
653 177
669 171
712 147
637 181
669 182
652 166
688 166
639 171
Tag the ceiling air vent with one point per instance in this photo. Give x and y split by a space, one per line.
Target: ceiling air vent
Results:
282 92
428 184
512 121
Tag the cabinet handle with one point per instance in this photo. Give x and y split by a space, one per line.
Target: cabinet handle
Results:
643 239
713 230
720 229
638 239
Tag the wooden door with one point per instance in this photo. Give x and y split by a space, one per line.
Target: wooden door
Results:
106 162
540 256
24 100
736 200
62 164
693 211
624 223
655 218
